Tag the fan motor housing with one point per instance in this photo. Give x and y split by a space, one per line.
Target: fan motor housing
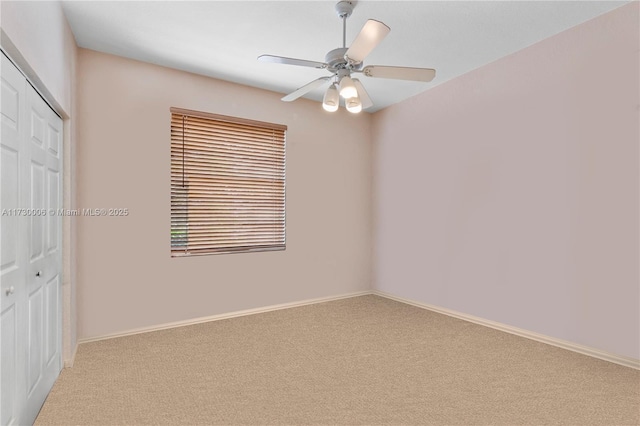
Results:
335 60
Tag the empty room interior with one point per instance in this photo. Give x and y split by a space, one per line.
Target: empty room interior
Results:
320 212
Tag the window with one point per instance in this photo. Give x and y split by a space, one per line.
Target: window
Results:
227 184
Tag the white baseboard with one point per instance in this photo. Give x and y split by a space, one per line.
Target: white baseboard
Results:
222 316
68 363
585 350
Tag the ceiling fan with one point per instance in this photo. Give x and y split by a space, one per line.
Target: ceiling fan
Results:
343 61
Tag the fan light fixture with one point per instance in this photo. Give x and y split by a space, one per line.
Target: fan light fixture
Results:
347 88
354 105
331 100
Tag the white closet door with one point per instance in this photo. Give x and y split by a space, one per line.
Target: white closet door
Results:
35 236
44 251
13 233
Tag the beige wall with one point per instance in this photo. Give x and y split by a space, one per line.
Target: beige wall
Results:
126 276
38 39
511 192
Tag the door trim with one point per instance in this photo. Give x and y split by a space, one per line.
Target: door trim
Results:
31 83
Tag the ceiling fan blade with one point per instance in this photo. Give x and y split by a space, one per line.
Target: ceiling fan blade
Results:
291 61
400 73
362 93
369 37
305 89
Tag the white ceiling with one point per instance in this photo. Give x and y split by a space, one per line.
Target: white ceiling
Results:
222 39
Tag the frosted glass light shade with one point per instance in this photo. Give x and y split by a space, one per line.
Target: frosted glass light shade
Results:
354 105
347 88
331 100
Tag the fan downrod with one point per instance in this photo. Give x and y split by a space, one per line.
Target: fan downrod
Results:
335 59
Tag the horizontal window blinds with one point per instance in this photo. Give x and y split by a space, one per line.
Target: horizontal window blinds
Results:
227 184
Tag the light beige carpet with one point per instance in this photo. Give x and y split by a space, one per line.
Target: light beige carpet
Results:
364 360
